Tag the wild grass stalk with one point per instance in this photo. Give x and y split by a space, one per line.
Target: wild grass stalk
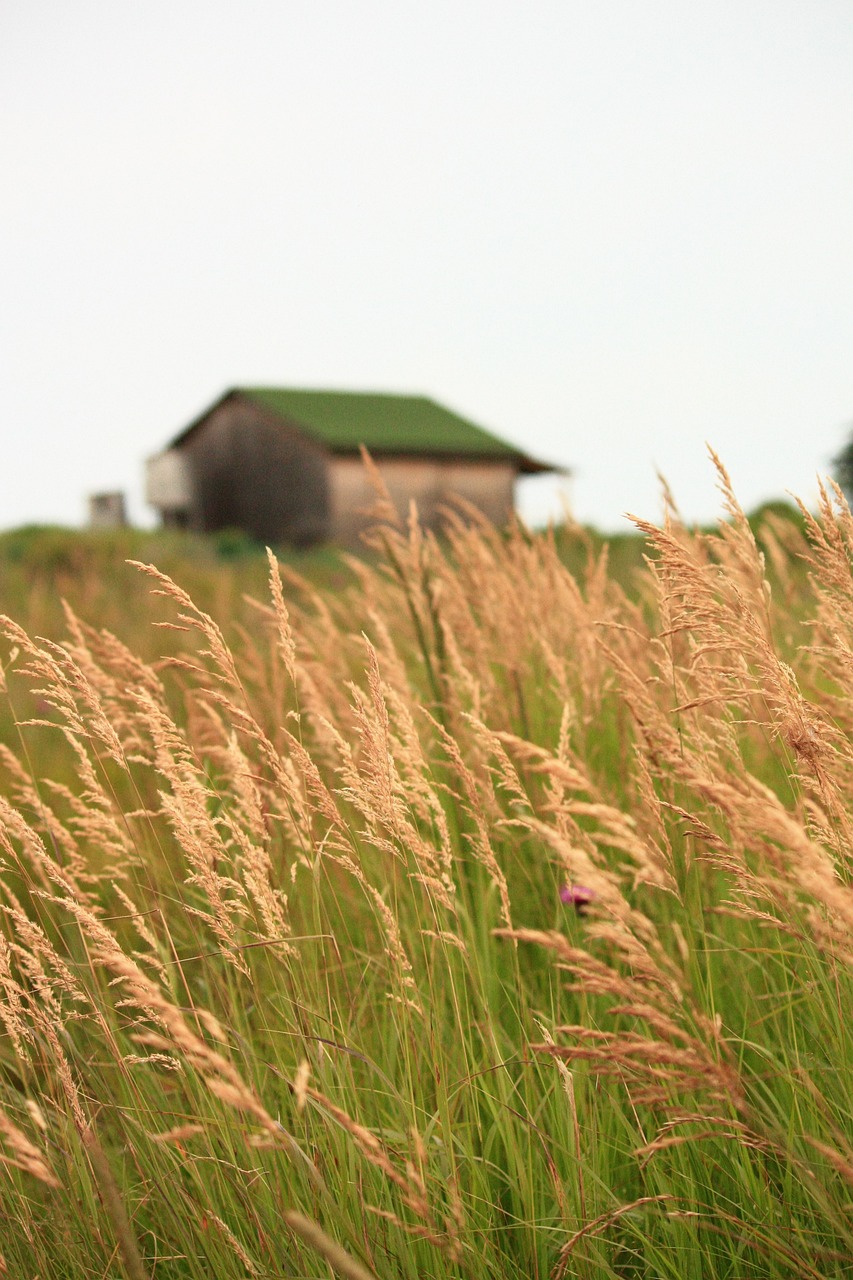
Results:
485 918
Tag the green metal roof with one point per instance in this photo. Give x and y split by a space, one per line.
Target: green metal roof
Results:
384 424
344 420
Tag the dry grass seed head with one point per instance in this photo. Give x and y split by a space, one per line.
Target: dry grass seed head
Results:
25 1154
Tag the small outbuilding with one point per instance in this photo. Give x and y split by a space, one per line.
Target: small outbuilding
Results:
107 510
286 466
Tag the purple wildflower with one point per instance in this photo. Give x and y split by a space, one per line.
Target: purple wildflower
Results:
577 896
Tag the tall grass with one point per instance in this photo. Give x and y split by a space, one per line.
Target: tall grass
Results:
479 919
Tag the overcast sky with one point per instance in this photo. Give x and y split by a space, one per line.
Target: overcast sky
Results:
608 232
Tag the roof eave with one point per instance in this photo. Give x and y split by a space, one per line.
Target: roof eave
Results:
532 467
524 464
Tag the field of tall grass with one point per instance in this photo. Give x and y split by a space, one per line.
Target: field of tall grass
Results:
470 914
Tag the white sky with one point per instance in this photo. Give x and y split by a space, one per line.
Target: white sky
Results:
607 231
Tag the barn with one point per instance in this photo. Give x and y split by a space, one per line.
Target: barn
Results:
285 465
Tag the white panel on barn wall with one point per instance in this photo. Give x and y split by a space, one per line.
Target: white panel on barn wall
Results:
168 484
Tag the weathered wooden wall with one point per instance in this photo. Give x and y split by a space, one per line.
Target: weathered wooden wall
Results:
250 472
432 483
